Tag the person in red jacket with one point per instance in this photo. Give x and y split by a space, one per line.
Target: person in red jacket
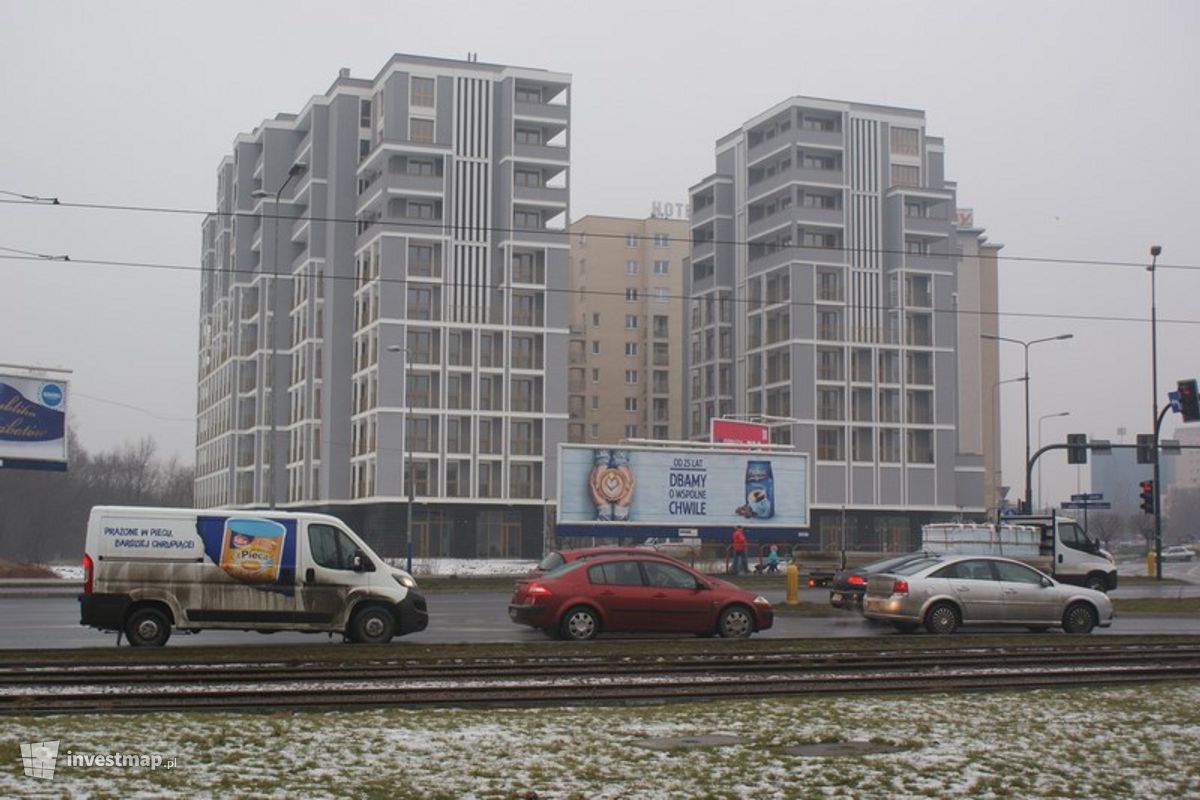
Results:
739 551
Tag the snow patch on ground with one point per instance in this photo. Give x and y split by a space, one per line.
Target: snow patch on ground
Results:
1096 743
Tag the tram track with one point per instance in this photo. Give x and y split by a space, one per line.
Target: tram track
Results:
57 688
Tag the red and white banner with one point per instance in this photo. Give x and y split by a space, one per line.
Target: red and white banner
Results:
734 432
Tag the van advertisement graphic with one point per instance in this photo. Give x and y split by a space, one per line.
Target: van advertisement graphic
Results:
259 552
33 414
676 487
250 550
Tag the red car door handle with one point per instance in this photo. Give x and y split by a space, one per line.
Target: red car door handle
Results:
607 593
660 596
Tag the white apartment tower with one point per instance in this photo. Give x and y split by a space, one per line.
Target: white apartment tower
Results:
405 295
838 295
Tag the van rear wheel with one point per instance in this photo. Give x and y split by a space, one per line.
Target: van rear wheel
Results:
372 625
147 627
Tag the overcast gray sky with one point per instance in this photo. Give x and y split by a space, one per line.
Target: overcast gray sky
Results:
1069 126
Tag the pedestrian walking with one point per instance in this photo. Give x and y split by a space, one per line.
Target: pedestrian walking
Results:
739 551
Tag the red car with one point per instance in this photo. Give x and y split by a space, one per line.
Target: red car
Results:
636 593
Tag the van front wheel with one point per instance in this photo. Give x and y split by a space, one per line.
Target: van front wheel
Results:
147 627
372 625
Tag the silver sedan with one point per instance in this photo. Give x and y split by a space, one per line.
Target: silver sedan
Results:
943 592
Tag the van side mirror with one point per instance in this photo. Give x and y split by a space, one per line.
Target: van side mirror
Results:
357 563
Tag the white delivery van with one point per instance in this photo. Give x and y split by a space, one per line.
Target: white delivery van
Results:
1055 545
150 570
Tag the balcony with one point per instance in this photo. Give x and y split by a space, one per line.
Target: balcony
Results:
543 111
821 216
702 250
780 220
819 138
542 152
704 214
547 195
929 226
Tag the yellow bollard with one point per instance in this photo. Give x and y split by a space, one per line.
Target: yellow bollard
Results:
1150 570
793 584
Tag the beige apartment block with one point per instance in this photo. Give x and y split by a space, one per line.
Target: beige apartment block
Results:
625 372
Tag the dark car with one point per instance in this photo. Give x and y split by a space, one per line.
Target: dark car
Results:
848 586
636 593
556 558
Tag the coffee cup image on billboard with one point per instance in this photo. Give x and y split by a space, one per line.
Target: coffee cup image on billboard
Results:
760 491
251 549
611 484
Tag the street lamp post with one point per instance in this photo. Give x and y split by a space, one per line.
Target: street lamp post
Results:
296 170
1152 269
408 542
995 433
1041 419
1026 345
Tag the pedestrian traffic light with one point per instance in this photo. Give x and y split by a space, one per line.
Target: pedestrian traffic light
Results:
1147 495
1076 448
1145 448
1189 401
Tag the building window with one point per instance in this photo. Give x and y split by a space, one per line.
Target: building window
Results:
595 374
527 220
527 177
595 402
422 167
661 267
364 113
631 348
528 136
660 240
920 447
414 210
631 322
631 431
905 141
631 294
364 149
421 92
631 404
863 439
905 175
631 376
660 326
595 348
527 94
595 318
660 294
420 130
422 260
631 240
632 267
830 444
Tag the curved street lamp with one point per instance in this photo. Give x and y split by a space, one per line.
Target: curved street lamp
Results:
1027 345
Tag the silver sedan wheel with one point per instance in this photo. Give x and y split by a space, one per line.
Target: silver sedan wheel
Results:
735 623
942 619
1079 619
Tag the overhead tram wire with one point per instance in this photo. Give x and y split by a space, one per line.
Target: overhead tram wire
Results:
601 293
565 233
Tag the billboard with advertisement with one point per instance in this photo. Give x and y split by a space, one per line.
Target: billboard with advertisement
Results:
671 488
33 429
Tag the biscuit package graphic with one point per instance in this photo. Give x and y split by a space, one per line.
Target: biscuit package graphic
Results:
252 549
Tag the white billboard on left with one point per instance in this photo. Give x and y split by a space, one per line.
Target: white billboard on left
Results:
33 423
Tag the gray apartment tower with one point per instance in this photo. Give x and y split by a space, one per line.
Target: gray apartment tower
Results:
838 294
393 259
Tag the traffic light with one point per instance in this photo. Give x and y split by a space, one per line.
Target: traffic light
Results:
1147 495
1145 448
1189 401
1076 448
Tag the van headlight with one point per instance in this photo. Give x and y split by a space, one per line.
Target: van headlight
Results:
405 580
